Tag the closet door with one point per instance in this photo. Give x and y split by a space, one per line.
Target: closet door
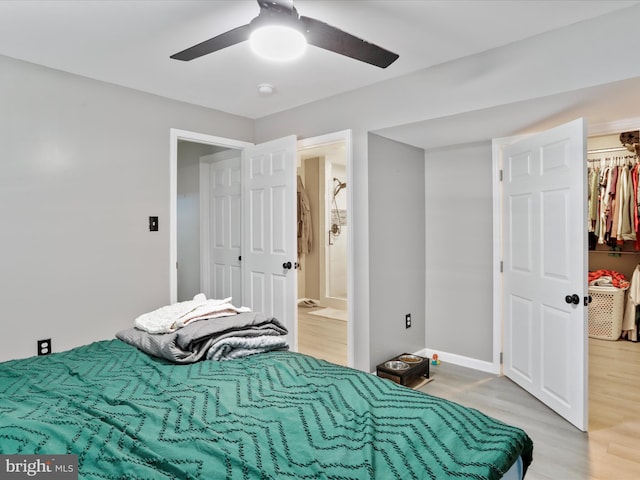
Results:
225 278
545 268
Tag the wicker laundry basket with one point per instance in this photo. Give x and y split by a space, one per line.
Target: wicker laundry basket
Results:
605 312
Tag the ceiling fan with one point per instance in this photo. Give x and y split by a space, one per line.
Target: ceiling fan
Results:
315 32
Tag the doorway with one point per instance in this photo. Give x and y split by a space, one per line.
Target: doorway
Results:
176 137
594 131
613 358
323 251
208 182
220 146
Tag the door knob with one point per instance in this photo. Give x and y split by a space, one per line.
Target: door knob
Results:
575 299
286 265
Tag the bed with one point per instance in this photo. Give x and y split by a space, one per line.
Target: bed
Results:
273 415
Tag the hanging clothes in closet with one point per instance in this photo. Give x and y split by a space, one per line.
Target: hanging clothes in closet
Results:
613 204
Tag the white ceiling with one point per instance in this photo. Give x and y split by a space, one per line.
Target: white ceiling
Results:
128 43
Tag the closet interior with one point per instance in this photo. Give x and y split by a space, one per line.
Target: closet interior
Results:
614 353
613 168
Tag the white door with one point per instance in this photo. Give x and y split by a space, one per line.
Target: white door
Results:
545 268
224 228
269 248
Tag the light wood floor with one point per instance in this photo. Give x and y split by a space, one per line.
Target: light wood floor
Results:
611 449
322 337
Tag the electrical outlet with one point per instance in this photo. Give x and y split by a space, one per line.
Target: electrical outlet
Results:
44 347
407 320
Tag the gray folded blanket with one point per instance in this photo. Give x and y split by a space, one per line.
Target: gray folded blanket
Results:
219 338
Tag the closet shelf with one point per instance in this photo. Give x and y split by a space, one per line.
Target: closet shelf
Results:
607 150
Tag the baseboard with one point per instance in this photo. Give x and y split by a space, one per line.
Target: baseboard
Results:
462 361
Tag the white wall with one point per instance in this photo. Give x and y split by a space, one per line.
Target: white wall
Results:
84 164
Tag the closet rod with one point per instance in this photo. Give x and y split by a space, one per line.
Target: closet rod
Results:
605 150
627 159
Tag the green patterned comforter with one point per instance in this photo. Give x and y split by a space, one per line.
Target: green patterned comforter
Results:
276 415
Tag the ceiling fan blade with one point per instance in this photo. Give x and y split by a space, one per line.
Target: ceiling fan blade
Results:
335 40
224 40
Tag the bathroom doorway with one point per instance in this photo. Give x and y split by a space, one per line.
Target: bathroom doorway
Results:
324 237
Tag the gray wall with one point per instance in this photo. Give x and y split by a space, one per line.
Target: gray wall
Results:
84 164
396 248
459 250
188 217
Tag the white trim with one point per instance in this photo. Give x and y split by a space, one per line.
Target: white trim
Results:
327 139
176 135
462 361
497 253
496 164
324 215
205 250
206 139
459 360
173 217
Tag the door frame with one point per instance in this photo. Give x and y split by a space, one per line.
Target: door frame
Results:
498 320
327 139
176 135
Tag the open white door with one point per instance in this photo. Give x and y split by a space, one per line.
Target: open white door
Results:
269 248
545 268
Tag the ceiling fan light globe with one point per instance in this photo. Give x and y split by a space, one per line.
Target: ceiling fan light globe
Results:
278 43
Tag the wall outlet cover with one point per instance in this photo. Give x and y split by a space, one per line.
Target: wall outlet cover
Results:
44 347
